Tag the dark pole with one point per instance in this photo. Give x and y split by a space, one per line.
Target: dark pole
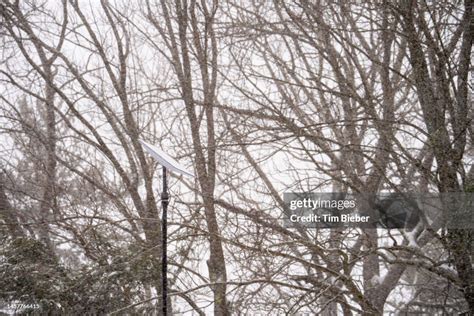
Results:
164 228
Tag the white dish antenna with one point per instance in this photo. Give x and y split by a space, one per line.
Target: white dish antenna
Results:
165 160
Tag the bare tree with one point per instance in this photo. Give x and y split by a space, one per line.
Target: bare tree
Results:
191 44
263 98
440 73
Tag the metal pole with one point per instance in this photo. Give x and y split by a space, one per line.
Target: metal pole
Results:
164 231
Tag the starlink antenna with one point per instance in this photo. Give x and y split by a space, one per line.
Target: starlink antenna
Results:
172 165
165 160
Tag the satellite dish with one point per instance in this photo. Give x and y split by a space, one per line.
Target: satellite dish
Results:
164 159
